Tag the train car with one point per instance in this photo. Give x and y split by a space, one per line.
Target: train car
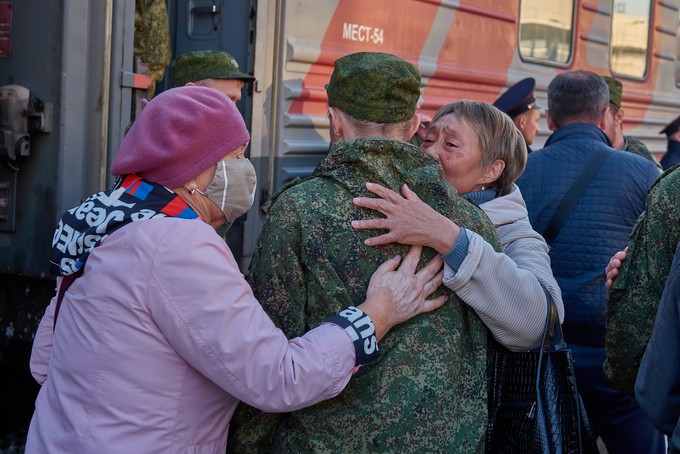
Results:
464 49
70 82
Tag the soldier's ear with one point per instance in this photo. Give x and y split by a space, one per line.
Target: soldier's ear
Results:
336 124
415 124
619 117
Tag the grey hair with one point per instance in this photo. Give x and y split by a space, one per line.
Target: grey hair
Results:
498 136
577 96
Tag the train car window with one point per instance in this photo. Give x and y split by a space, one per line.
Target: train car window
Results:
545 30
629 44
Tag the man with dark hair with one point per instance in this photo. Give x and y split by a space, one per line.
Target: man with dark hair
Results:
584 232
429 393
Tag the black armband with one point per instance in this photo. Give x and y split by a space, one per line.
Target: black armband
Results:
359 327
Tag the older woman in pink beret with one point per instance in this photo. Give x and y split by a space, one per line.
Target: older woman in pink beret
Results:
154 335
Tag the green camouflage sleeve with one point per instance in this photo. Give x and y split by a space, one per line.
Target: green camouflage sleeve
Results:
635 146
251 430
310 263
152 38
275 269
276 274
634 300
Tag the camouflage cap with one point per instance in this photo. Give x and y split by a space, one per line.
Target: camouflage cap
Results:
615 90
205 64
374 86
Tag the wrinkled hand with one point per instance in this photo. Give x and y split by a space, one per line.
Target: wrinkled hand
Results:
396 295
408 220
613 266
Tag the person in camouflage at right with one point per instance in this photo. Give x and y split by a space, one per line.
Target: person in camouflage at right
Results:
428 390
637 289
615 130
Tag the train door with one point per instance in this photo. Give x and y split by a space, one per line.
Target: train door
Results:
55 72
217 25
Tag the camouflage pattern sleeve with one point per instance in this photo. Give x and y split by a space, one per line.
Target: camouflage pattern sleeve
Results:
427 391
251 430
636 146
275 268
634 300
152 38
276 273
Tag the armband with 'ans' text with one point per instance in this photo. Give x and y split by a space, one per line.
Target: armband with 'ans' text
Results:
359 327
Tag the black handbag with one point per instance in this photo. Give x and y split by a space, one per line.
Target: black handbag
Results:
534 405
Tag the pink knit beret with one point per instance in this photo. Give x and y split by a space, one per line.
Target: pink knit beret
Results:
179 134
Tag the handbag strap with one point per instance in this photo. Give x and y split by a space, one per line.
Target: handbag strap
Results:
66 282
553 340
552 334
575 192
552 325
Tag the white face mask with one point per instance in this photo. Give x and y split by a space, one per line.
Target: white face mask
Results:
233 187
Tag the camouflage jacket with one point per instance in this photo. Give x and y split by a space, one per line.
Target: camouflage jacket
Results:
637 290
636 146
427 391
152 38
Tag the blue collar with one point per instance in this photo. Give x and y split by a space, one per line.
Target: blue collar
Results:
578 131
480 197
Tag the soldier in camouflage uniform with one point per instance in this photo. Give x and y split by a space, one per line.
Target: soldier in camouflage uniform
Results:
152 38
427 391
615 130
209 68
636 146
637 290
206 68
